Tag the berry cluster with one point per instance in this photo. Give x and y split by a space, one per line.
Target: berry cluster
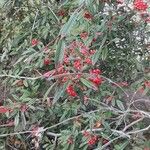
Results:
77 60
95 78
47 61
140 5
92 139
71 91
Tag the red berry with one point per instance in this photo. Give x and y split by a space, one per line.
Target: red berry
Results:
70 90
77 64
96 71
61 13
86 133
34 42
4 109
78 76
97 80
65 79
84 35
147 84
84 51
88 61
60 69
92 52
92 140
88 15
47 61
66 60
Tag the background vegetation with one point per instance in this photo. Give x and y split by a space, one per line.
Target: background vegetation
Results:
74 74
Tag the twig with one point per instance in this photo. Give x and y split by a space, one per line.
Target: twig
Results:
131 124
62 75
141 112
53 134
107 144
138 131
51 42
109 80
44 129
20 77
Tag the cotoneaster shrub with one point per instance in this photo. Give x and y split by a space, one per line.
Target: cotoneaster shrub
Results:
65 68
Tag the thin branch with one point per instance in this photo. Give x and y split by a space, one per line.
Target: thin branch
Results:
20 77
107 144
138 131
109 80
53 134
131 124
62 75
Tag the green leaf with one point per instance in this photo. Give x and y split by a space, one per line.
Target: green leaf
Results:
25 83
98 52
59 92
120 105
68 26
104 54
59 55
88 83
53 14
121 146
4 55
16 122
48 91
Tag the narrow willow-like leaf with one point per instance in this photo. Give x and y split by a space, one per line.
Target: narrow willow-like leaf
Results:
88 83
104 53
120 105
59 55
68 26
60 91
48 91
98 52
16 122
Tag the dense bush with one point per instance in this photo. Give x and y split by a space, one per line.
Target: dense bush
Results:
75 74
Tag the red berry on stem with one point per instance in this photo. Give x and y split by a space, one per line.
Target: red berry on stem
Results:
88 15
88 61
77 64
47 61
61 13
84 35
34 42
96 71
70 90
